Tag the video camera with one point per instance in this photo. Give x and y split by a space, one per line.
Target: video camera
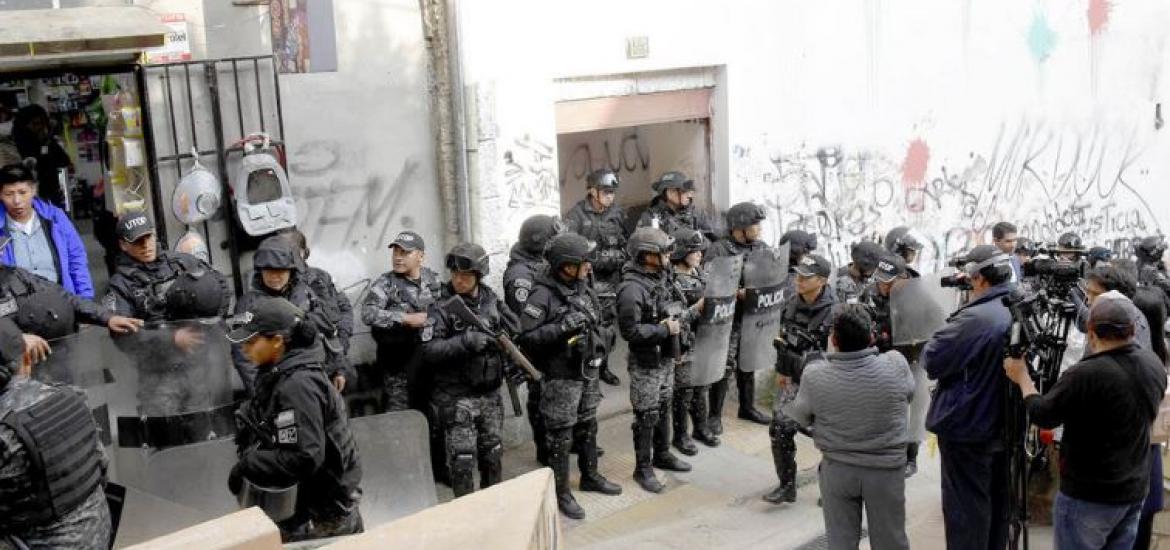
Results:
959 279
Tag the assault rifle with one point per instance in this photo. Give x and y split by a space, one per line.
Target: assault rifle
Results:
455 306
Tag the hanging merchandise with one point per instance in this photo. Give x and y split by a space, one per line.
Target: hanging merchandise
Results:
265 203
197 196
192 243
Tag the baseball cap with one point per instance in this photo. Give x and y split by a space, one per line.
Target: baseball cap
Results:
267 314
408 240
889 268
1110 309
134 226
814 265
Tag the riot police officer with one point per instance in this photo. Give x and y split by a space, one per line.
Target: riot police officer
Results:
901 242
1151 268
332 299
673 206
157 285
52 466
395 309
806 323
743 221
525 264
598 219
689 398
278 272
469 368
800 243
644 301
294 431
561 331
853 280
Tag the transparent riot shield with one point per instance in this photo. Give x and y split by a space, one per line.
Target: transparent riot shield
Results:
764 273
75 360
919 307
394 449
713 333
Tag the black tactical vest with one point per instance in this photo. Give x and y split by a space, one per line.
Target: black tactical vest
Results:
46 314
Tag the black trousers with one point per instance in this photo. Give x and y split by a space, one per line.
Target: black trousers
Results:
974 494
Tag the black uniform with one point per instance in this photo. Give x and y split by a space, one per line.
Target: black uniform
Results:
806 330
1154 274
469 367
745 382
607 229
45 309
333 301
295 430
523 269
689 398
670 221
52 468
169 381
390 299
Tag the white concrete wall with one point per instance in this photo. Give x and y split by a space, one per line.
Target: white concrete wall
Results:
849 117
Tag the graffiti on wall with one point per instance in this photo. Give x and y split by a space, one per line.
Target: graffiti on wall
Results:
626 155
1044 180
530 176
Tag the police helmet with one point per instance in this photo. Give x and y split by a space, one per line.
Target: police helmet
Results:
649 240
1099 254
197 294
799 241
1150 249
276 252
536 231
468 257
568 248
672 180
602 179
687 241
745 214
866 255
901 240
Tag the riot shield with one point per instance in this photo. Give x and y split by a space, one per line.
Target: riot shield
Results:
919 307
764 274
74 360
396 466
713 333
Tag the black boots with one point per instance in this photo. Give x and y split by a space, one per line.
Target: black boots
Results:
718 393
682 440
462 468
591 479
784 457
702 432
643 427
558 458
536 421
606 375
911 459
490 468
746 383
662 456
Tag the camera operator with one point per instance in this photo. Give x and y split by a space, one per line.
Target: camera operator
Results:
1025 251
966 413
1106 404
1106 278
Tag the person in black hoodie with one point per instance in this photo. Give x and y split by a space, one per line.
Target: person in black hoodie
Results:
1106 404
807 314
562 333
469 366
294 430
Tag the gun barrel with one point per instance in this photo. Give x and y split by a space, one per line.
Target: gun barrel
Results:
518 357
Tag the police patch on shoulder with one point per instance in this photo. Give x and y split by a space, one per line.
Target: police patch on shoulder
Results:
427 333
7 306
521 294
533 311
286 427
286 418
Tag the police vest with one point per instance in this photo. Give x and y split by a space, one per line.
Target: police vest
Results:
60 437
47 314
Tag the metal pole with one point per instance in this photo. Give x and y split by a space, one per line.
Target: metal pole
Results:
221 159
152 167
459 122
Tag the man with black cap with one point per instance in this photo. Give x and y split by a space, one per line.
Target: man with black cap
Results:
52 466
800 243
278 271
1151 268
294 430
395 309
673 207
156 285
743 238
805 326
965 358
469 368
598 219
852 281
526 264
1106 404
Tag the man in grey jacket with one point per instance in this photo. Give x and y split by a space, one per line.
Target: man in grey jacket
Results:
854 401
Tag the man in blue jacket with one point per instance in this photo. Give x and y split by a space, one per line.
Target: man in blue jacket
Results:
966 358
43 239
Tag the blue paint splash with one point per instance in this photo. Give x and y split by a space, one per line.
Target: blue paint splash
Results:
1041 38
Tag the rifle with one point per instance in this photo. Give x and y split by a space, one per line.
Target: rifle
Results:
455 306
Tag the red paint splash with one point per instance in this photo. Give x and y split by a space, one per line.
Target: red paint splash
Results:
914 167
1098 14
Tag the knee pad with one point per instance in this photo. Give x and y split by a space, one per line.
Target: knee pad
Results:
463 462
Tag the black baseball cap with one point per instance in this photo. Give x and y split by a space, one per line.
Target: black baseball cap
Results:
813 265
889 268
409 240
265 315
134 226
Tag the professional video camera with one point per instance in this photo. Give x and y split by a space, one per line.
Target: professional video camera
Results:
959 279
